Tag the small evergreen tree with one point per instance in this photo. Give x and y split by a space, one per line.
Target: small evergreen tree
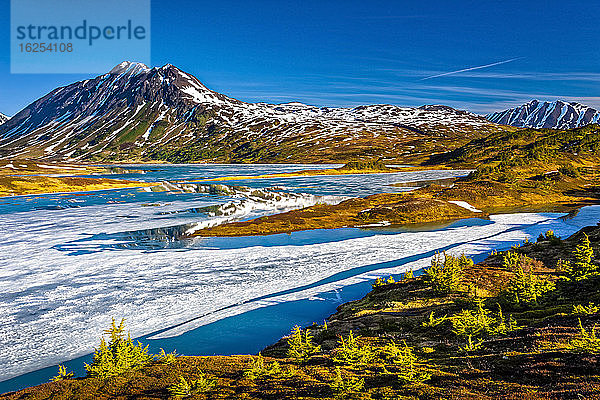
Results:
62 374
586 342
259 369
381 282
525 288
119 355
445 276
510 260
590 309
166 358
183 389
351 352
378 282
343 387
433 322
582 266
403 358
470 324
301 347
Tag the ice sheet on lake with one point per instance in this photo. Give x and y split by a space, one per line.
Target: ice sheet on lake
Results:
56 306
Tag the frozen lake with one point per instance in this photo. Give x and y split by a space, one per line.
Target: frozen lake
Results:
71 262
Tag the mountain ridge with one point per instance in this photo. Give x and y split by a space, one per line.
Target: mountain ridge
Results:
134 112
548 115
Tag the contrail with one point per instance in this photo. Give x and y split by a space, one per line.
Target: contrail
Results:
470 68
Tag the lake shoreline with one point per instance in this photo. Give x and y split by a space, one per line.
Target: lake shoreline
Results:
361 315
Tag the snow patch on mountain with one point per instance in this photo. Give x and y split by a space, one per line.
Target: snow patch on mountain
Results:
134 106
129 67
549 115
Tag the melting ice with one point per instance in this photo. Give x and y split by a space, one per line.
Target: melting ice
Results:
71 262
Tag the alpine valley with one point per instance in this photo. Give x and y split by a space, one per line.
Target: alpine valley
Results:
251 231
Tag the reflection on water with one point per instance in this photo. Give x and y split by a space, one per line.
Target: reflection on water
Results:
177 237
172 237
444 182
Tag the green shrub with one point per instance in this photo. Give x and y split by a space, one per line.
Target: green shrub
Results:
166 358
586 342
525 288
503 326
259 369
549 236
445 276
510 260
301 347
351 352
343 387
470 324
408 275
119 355
381 282
582 266
62 374
403 358
184 389
433 322
580 309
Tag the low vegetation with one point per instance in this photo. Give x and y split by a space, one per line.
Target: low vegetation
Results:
23 177
23 185
117 356
512 327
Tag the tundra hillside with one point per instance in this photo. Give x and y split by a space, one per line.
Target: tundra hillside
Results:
527 169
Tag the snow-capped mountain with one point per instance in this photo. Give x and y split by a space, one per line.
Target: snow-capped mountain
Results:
557 115
3 118
140 113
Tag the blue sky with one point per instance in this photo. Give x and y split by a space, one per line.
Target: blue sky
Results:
347 53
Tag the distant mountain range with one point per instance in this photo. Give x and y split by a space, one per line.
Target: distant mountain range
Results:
3 118
138 113
557 115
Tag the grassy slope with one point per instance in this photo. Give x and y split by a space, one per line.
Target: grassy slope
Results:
532 362
213 144
24 185
23 177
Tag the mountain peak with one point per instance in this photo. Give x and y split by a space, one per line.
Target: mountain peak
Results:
129 67
165 113
557 114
